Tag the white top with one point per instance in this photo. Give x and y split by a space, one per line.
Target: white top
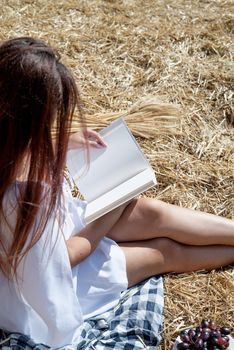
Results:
51 300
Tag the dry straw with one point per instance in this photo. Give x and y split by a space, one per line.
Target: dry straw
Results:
147 118
121 51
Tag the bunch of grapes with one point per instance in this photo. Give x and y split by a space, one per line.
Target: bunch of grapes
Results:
207 336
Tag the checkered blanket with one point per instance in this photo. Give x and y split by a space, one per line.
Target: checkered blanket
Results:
135 323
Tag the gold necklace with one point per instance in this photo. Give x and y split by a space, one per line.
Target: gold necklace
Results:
72 185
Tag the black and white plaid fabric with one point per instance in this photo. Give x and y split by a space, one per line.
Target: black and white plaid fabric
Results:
135 323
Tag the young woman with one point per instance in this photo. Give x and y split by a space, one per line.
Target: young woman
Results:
55 271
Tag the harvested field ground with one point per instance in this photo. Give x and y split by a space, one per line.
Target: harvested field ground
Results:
181 51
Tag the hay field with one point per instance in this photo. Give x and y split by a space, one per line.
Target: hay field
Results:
181 51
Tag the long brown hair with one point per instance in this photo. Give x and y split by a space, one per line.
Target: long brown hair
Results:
36 92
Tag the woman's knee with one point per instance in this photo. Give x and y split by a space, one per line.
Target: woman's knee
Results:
142 218
171 253
153 211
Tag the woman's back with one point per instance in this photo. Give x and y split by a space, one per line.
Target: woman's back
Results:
34 303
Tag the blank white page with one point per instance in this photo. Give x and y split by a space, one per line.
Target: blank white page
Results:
110 166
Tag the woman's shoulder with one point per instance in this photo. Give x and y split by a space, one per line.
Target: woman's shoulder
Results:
14 194
11 201
13 197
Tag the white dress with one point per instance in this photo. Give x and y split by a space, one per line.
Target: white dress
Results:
51 300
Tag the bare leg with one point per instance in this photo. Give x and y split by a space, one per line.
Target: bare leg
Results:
160 255
147 218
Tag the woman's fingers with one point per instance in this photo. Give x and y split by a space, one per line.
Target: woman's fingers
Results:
94 139
80 139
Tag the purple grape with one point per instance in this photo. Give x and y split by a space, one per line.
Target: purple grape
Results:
185 338
206 330
198 343
223 343
198 329
212 325
205 335
213 340
182 346
214 334
191 333
226 338
225 331
184 332
204 323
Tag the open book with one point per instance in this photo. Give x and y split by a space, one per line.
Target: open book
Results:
113 175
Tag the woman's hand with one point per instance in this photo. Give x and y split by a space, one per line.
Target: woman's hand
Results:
80 139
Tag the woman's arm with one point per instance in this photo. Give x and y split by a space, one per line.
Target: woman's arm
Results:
81 246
